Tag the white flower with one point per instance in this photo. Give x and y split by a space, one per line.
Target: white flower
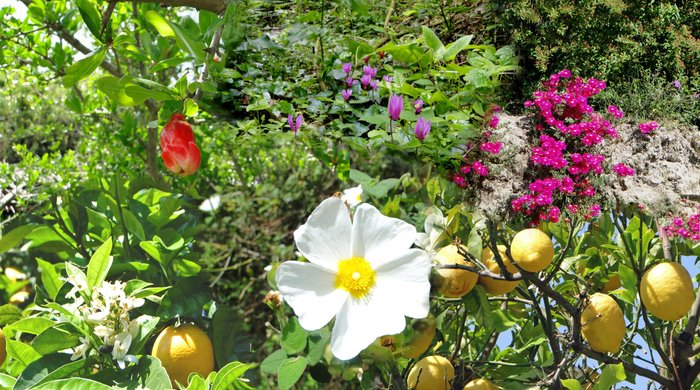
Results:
363 273
121 346
80 350
435 225
105 333
353 196
211 204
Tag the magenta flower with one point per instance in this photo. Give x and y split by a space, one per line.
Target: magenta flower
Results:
395 107
616 112
480 168
623 170
365 80
677 84
387 78
492 147
418 105
346 94
374 84
369 71
347 68
648 127
295 125
350 81
422 129
494 121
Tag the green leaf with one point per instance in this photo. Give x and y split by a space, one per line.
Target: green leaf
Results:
34 325
185 299
293 337
78 276
91 17
133 225
571 384
6 381
56 338
9 314
148 374
160 24
50 278
433 42
84 67
48 368
611 374
433 187
10 239
231 341
99 264
317 345
73 384
456 47
229 377
290 372
359 177
147 325
152 250
272 362
23 353
474 243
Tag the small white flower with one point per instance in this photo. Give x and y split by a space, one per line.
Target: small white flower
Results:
122 342
435 225
80 350
211 204
361 272
105 333
353 196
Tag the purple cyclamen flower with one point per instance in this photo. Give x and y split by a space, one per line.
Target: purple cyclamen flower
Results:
346 94
374 84
350 82
422 128
370 71
347 68
295 124
677 84
365 80
387 78
418 105
395 106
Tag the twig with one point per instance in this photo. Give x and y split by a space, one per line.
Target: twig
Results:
213 52
665 382
562 254
107 16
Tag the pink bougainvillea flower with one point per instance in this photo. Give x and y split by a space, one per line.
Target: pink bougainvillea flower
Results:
180 153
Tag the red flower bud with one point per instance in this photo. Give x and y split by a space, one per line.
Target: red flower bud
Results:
180 153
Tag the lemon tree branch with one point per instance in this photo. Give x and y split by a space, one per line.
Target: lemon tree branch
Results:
655 376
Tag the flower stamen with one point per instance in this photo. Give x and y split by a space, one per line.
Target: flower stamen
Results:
356 276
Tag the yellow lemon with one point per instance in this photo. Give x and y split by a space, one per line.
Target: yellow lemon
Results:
493 286
667 291
431 373
532 250
183 350
480 384
454 283
423 335
612 284
3 348
603 324
19 298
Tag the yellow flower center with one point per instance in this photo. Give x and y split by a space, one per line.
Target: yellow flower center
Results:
355 276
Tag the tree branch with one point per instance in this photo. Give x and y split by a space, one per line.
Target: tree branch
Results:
216 6
665 382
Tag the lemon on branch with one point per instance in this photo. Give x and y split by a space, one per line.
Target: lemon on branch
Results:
183 350
494 286
423 335
480 384
532 249
431 373
667 291
454 283
603 324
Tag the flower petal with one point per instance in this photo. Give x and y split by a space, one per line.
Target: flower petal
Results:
326 236
377 238
406 282
310 291
361 321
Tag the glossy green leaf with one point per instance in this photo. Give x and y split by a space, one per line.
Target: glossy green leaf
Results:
433 42
611 375
22 352
571 384
84 67
99 264
48 368
230 376
56 338
34 325
73 384
9 314
10 239
90 16
50 278
456 47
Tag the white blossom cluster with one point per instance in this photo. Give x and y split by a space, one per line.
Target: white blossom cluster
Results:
107 314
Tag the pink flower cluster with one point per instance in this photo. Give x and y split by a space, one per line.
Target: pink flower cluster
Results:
689 229
647 128
569 131
623 170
